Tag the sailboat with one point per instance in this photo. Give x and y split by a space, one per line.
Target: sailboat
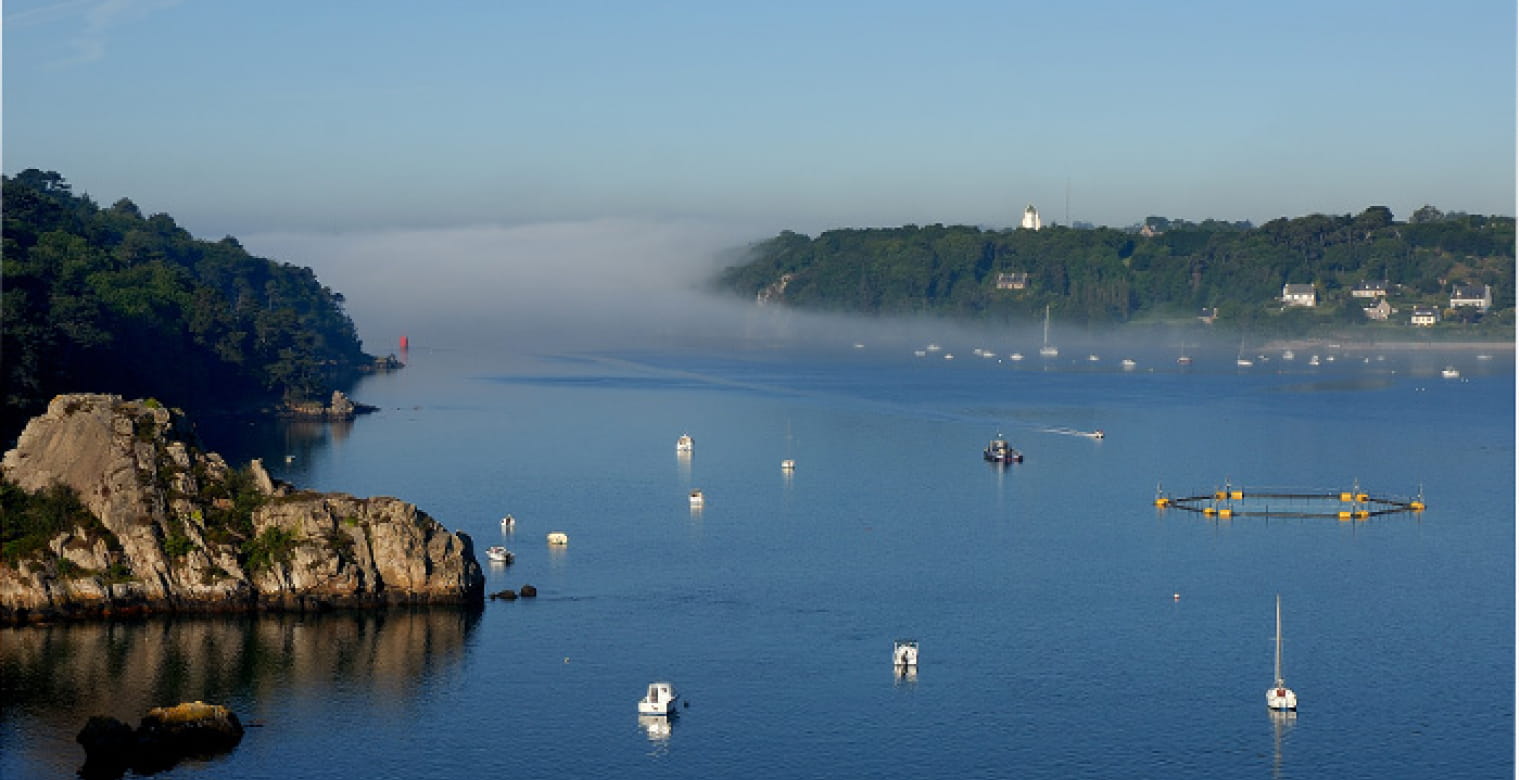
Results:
1280 697
1049 350
1240 357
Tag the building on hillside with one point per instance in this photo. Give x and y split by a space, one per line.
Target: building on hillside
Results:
1367 289
1015 280
1468 295
1378 311
1424 318
1208 314
1299 295
1031 218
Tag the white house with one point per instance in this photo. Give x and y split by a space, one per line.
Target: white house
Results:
1298 295
1366 289
1465 295
1031 218
1425 318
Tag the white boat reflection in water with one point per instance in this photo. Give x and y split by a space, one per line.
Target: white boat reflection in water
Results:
656 727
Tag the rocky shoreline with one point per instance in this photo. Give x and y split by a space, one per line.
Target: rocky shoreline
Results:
171 528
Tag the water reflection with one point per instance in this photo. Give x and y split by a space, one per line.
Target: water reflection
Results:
657 727
53 678
1282 723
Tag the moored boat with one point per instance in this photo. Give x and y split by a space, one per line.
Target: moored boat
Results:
659 699
695 497
1280 697
684 443
1450 372
499 554
1000 451
905 652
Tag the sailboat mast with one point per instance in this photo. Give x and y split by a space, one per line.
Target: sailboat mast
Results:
1277 660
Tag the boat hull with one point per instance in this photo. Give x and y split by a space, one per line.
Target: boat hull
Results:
1282 700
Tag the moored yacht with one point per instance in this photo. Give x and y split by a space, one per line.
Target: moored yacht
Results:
660 699
684 443
1280 697
499 554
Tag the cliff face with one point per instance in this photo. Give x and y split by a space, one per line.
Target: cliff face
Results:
179 531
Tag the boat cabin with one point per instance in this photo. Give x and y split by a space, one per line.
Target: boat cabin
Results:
905 652
660 699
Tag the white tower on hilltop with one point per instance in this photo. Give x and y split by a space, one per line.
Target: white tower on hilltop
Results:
1031 218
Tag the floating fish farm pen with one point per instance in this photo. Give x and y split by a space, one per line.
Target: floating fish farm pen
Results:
1232 501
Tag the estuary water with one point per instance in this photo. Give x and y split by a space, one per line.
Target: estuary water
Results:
1068 627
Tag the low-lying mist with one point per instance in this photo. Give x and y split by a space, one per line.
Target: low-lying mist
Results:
610 285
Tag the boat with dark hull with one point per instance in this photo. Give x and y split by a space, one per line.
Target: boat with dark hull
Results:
1000 451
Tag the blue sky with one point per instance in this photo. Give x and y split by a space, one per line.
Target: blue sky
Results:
298 117
430 160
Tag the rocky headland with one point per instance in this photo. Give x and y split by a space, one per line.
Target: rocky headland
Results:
161 526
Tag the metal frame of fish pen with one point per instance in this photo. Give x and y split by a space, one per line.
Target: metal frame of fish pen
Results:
1235 502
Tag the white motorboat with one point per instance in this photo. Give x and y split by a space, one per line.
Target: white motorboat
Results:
920 352
695 497
1129 365
1314 360
933 348
1287 354
1092 358
905 652
499 554
659 700
1280 697
508 523
1016 357
684 444
1450 372
1048 350
557 539
788 464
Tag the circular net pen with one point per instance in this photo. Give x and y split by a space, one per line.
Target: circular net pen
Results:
1231 501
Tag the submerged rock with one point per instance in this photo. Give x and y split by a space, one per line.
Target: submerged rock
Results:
171 528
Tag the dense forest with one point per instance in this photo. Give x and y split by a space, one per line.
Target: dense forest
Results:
1161 270
107 300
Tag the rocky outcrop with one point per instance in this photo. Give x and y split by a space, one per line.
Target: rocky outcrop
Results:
166 736
176 530
339 407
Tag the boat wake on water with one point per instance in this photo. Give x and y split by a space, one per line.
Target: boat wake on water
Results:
1094 434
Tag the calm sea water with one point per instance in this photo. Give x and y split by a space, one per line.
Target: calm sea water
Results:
1068 628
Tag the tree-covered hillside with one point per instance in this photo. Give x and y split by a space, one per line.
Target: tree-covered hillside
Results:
1167 270
107 300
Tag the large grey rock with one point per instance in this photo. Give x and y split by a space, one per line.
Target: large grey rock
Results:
138 468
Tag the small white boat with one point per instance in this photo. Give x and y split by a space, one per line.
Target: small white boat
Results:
508 523
1287 354
949 356
558 539
933 348
1092 358
905 652
788 465
1280 697
1485 356
660 699
1450 372
1097 434
1314 360
1129 365
499 554
1016 357
1244 362
920 352
684 443
695 497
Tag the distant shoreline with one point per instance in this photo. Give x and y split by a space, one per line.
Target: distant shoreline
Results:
1395 346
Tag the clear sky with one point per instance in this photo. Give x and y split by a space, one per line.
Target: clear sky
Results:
254 117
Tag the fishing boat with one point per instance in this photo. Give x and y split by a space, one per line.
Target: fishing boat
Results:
660 699
1280 697
695 497
1000 451
684 443
905 652
1048 350
499 554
